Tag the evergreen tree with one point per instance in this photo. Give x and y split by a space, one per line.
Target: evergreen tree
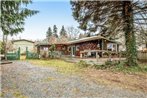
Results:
122 16
13 15
63 32
49 33
55 31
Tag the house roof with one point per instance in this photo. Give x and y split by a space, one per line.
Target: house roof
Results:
22 40
45 42
90 39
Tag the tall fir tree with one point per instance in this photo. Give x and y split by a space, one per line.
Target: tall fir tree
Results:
55 31
63 32
49 33
122 16
12 18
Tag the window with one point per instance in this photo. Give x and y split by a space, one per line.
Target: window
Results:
109 46
45 48
77 48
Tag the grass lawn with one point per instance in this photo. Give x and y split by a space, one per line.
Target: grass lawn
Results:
60 65
22 57
132 78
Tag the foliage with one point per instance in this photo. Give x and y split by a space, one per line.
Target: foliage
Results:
1 47
119 66
112 17
44 54
73 33
114 66
55 31
31 55
13 56
13 16
49 33
52 48
52 39
82 64
63 32
51 51
123 53
9 46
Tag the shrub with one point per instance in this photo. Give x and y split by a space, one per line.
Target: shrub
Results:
44 54
99 66
83 64
107 65
123 53
52 51
129 69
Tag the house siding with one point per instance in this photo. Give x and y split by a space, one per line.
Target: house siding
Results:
23 45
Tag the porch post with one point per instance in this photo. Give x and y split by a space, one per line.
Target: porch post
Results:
97 56
81 55
102 46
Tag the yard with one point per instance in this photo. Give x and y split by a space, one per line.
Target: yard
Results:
130 79
56 78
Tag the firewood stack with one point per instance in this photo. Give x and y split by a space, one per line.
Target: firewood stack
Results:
88 46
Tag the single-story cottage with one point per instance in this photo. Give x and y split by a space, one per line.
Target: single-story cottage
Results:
23 44
89 46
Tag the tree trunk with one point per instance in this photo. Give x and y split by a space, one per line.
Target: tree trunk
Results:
4 46
130 41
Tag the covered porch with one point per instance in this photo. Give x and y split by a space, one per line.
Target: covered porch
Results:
93 47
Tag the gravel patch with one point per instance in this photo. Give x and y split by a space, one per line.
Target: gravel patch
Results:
28 81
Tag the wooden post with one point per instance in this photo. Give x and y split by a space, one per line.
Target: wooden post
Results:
110 59
26 52
102 47
81 55
119 56
97 57
19 53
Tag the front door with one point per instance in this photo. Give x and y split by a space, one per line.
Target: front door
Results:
73 51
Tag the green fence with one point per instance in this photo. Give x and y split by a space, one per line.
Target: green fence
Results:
31 55
14 56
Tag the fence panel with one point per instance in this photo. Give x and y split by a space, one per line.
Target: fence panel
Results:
31 55
142 56
14 56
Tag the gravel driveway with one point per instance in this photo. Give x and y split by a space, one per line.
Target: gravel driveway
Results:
23 80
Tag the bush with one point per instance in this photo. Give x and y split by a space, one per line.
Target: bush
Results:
123 53
114 66
145 68
44 54
128 69
52 51
83 64
99 66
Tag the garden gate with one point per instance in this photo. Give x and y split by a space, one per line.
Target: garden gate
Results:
14 55
31 55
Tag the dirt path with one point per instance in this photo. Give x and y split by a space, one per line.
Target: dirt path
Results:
23 80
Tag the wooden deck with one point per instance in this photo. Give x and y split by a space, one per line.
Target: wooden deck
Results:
85 52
